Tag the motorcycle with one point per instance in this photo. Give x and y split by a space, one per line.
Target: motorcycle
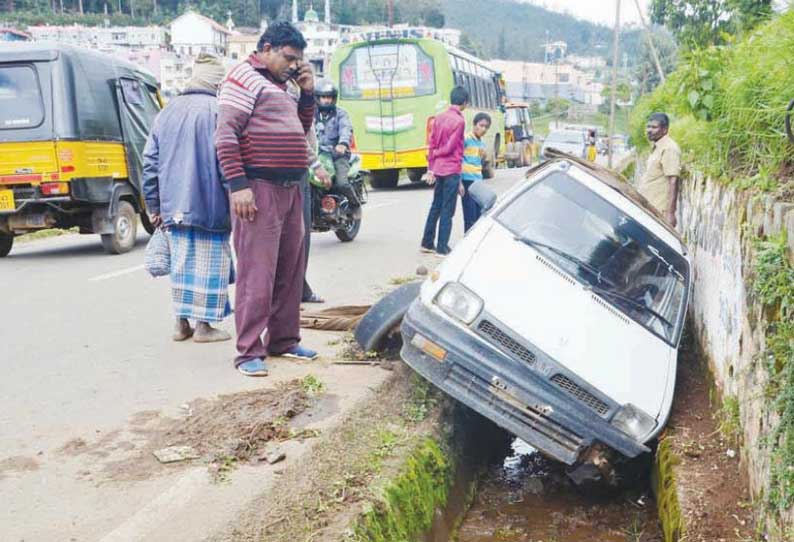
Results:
331 210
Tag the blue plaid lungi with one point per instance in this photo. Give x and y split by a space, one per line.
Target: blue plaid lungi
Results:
201 271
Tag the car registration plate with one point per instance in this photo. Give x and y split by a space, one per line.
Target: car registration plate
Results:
7 202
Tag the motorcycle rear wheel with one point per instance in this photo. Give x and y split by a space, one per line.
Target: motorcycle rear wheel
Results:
349 233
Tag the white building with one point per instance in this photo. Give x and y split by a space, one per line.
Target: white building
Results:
193 33
103 38
538 81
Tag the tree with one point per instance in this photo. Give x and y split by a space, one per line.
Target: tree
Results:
644 69
501 48
700 23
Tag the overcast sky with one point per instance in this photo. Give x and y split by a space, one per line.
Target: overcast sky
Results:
603 11
599 11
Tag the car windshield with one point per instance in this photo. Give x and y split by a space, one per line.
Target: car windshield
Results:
605 248
20 98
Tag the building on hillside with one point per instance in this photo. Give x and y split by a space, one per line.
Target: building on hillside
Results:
193 33
103 38
242 43
534 81
587 63
11 34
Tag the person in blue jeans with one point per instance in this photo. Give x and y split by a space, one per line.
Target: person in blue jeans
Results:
473 156
444 166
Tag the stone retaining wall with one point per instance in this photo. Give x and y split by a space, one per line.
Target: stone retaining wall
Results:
720 225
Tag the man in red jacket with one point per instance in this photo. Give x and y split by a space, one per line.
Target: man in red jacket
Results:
262 150
444 166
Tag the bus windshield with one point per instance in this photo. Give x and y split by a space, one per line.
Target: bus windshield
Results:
387 70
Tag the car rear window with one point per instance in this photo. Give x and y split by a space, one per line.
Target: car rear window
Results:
21 105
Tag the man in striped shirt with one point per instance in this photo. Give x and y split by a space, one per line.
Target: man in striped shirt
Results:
262 150
473 155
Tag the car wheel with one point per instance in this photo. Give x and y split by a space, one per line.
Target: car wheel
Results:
385 315
6 242
125 230
386 178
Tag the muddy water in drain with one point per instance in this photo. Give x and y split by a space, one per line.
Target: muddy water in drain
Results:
528 498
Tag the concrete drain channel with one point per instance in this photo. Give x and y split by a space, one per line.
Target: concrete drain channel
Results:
529 498
504 491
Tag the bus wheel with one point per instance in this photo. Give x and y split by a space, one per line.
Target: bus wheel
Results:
125 229
385 178
6 242
415 174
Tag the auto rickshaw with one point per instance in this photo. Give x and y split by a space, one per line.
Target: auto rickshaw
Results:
73 124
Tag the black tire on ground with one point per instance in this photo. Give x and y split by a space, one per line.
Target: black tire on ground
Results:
524 151
6 242
415 174
384 315
497 147
384 178
146 223
348 234
125 226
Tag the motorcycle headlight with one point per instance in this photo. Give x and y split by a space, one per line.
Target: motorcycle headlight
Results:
459 302
634 422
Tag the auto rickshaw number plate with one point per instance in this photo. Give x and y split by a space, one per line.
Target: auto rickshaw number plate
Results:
7 202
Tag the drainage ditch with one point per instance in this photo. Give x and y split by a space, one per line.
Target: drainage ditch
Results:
526 497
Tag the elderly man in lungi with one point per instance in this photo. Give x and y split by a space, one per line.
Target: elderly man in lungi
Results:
185 193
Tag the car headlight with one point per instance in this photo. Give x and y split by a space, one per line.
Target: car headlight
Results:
634 422
459 302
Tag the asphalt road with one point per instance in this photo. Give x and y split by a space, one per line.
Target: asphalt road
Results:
86 350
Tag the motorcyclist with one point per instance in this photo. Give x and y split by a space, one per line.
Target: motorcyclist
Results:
334 135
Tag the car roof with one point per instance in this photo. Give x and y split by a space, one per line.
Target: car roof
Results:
613 180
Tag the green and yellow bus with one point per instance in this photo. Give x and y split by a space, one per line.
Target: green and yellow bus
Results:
393 88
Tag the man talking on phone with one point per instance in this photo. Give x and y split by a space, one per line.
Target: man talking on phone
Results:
261 141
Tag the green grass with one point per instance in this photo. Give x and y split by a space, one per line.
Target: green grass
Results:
727 106
312 385
45 234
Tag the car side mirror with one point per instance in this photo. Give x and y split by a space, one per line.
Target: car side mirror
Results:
483 195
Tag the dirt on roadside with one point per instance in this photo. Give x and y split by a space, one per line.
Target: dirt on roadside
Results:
221 432
716 497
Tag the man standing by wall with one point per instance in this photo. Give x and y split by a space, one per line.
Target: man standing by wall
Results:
444 165
660 182
261 141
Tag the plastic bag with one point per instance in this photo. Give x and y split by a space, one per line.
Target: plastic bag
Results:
157 258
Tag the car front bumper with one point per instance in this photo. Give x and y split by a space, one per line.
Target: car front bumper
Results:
487 380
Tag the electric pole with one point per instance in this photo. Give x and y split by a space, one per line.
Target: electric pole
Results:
390 12
615 46
649 37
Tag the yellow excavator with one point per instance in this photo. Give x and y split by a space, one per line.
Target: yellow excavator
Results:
519 135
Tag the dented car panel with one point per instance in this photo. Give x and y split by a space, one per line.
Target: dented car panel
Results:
559 315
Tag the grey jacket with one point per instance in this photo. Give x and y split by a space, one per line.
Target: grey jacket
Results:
332 129
181 177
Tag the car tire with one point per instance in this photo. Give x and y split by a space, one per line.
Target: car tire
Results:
125 230
6 242
378 322
386 178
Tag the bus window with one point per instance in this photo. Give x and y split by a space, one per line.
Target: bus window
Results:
387 70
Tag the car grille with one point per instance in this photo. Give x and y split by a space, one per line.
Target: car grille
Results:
532 416
584 396
501 339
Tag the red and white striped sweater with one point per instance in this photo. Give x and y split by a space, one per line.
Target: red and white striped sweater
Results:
261 129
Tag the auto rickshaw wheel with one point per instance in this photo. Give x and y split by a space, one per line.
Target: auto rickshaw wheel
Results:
146 223
6 242
125 230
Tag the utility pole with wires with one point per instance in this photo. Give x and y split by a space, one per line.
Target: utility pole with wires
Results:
390 12
615 46
649 37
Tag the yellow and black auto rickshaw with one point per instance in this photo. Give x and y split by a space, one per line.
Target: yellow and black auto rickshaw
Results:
73 124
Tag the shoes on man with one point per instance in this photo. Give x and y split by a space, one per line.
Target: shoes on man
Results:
253 367
205 333
299 352
426 250
442 253
182 330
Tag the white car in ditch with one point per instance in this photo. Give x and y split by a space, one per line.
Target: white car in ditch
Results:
559 315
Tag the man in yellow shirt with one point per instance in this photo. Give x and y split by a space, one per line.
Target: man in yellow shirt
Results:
660 182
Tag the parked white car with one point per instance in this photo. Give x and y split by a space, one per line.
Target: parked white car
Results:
559 315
